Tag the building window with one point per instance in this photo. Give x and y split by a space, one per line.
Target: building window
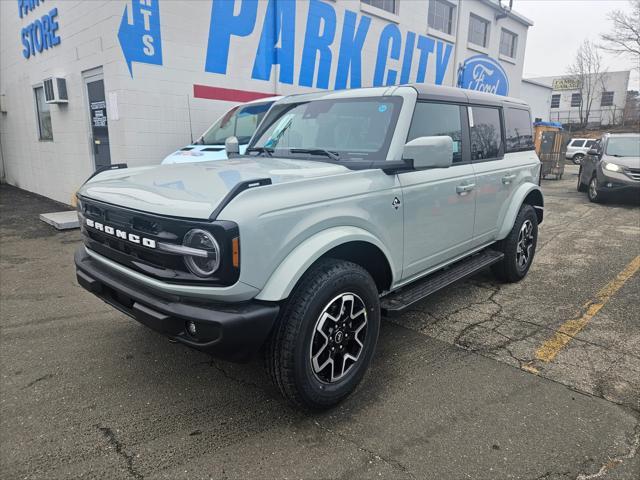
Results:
576 99
478 31
441 16
508 43
607 99
387 5
555 100
44 115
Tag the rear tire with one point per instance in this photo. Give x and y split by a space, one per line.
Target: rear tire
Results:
577 158
519 247
326 335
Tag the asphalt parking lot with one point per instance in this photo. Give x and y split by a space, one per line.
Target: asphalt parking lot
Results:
536 380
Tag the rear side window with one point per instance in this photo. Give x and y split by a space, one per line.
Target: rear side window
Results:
519 134
435 120
577 143
486 133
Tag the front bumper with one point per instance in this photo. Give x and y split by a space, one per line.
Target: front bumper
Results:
233 331
617 182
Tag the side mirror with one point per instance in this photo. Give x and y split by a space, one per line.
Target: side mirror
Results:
429 152
593 152
232 147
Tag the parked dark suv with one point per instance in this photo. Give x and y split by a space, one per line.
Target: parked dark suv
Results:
612 165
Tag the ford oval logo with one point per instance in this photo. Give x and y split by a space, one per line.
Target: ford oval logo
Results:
484 74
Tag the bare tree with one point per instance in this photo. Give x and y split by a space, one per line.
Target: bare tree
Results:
624 39
588 73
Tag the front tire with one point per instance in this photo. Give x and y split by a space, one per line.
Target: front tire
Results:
326 335
519 247
593 191
577 158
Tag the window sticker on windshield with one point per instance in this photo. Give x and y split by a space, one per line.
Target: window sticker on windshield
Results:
382 108
456 147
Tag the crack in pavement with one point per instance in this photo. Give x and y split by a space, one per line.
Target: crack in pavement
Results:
228 376
119 447
39 379
393 463
612 463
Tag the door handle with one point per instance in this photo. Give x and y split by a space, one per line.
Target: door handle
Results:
507 179
464 189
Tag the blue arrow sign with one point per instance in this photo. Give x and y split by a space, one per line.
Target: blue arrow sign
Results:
141 41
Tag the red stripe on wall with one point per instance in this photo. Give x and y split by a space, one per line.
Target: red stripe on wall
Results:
229 94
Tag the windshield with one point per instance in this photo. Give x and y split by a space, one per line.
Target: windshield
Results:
623 146
331 129
240 121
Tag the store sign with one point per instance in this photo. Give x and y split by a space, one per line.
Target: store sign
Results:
234 21
484 74
40 34
302 51
141 40
566 83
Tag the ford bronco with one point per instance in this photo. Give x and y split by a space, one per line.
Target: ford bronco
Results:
345 206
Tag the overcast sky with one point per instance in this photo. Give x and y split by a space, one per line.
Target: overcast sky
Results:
560 27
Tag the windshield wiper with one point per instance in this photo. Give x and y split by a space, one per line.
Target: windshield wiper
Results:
267 150
317 151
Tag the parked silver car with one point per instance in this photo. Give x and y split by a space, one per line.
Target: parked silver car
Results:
577 149
347 205
612 166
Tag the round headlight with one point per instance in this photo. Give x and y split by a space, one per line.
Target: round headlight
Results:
206 264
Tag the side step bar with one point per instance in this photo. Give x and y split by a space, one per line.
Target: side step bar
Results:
396 302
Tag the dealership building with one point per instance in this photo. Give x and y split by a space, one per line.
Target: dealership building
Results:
85 84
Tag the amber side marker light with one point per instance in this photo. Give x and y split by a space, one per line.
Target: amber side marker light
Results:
235 252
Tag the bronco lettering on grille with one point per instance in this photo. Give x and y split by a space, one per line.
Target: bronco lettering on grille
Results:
131 237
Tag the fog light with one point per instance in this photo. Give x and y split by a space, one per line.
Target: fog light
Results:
191 328
609 184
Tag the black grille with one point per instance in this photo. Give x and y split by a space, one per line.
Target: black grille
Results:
153 262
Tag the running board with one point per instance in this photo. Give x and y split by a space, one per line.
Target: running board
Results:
396 302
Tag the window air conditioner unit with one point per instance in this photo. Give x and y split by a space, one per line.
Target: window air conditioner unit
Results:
55 90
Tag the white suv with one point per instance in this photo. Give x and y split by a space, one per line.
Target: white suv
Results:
577 149
345 205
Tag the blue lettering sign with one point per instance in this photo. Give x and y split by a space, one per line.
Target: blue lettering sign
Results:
223 25
39 35
316 44
279 26
141 41
278 42
408 57
426 46
443 52
390 37
484 74
26 6
350 56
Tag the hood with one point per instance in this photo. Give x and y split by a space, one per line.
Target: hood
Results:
627 162
194 190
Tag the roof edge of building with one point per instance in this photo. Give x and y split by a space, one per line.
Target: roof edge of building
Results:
539 84
510 13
